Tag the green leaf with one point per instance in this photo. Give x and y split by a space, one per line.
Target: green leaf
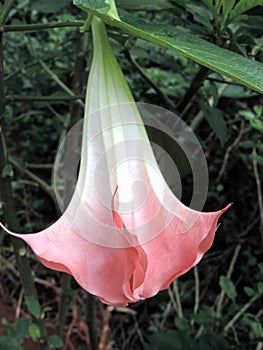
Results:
251 144
216 121
95 5
55 341
228 287
9 343
18 329
254 325
33 306
255 121
82 347
171 340
227 7
148 5
205 317
257 124
243 6
260 287
49 6
231 64
34 331
212 341
7 171
201 15
250 292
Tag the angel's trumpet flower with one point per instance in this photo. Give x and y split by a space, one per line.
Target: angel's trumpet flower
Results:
124 236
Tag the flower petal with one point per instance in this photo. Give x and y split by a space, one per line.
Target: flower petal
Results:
110 273
173 252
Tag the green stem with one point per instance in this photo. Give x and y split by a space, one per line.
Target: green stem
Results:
87 24
5 10
56 78
39 26
91 321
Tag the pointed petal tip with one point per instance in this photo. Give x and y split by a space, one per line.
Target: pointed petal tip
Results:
227 207
222 211
7 230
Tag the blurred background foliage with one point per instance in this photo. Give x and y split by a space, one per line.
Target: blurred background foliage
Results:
217 305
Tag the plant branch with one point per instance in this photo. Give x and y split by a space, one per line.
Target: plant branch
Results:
42 184
229 273
229 150
197 290
39 26
197 82
169 104
17 98
30 65
178 299
242 311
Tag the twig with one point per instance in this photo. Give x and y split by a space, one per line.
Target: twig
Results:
230 149
30 65
39 166
167 310
27 205
19 303
242 311
42 184
106 315
178 299
53 75
169 104
57 98
197 289
228 275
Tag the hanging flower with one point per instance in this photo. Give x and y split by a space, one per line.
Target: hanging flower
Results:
124 235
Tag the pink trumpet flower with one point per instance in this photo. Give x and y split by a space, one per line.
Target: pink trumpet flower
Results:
124 235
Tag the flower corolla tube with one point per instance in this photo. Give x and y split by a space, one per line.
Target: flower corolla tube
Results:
124 235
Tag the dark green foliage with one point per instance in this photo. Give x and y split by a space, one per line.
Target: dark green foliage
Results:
226 117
